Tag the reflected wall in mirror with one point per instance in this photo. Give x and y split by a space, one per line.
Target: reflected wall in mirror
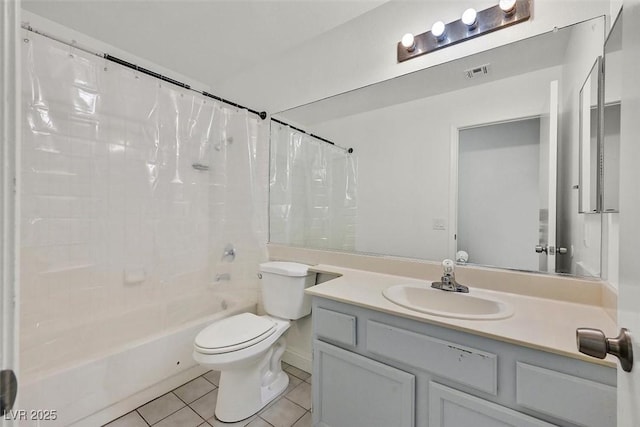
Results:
407 131
611 151
611 135
590 141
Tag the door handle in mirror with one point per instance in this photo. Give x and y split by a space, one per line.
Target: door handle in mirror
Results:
541 248
594 343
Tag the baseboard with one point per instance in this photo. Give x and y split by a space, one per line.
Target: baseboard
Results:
132 402
297 359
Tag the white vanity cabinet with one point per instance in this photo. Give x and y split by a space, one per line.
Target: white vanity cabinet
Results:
375 369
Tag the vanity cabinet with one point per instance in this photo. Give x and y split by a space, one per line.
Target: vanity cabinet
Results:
375 369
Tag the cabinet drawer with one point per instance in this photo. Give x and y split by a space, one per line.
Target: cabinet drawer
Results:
577 400
334 326
465 365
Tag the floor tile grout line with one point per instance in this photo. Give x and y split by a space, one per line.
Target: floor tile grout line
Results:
305 413
198 413
264 421
185 406
181 399
203 376
299 406
179 409
140 415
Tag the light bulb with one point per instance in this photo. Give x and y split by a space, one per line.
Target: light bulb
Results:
470 18
508 6
409 42
438 30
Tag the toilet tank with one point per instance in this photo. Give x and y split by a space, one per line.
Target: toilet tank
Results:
282 286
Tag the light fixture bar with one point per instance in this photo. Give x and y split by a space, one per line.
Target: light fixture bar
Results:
488 20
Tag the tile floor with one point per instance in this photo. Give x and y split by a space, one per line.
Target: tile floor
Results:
193 404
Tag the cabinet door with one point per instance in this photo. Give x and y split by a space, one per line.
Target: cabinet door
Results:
352 391
452 408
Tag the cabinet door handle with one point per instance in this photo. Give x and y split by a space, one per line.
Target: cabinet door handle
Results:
594 343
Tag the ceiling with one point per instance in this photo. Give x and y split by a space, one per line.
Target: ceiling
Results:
208 41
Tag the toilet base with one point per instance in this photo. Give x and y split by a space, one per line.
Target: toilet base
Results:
244 392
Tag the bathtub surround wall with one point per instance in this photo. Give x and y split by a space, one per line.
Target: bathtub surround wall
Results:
122 236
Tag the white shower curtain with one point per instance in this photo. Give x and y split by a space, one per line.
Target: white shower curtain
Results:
312 192
131 189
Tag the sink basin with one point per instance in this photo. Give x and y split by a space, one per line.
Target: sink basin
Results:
472 306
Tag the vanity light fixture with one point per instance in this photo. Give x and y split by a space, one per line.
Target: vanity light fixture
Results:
439 31
409 42
470 18
508 6
472 24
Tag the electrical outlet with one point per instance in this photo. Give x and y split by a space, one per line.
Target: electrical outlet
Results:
439 224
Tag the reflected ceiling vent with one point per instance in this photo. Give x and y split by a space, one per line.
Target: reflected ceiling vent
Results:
479 71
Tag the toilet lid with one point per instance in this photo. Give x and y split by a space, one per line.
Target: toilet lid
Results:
234 333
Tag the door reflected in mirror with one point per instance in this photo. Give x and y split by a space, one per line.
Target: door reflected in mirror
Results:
498 194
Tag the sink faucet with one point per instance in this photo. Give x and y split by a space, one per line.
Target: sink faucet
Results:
448 280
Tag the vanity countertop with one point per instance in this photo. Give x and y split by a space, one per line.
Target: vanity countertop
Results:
539 323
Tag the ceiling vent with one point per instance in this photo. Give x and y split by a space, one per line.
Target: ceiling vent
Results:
479 71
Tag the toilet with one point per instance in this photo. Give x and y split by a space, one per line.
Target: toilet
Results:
247 349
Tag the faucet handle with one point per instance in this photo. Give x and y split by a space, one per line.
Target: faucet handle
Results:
448 266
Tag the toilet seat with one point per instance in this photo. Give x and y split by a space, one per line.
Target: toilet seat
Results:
234 333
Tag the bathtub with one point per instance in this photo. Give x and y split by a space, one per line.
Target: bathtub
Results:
99 390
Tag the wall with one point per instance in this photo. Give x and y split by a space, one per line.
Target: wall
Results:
404 160
498 195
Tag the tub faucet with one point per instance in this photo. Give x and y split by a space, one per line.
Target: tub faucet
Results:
448 280
229 253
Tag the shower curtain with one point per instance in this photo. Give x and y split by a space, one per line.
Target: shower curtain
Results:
132 187
312 192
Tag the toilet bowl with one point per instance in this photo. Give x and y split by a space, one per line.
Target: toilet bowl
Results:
247 349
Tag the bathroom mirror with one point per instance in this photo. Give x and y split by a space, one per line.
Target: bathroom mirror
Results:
590 140
611 136
401 191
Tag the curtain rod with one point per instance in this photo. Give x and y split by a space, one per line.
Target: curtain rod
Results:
348 150
73 44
